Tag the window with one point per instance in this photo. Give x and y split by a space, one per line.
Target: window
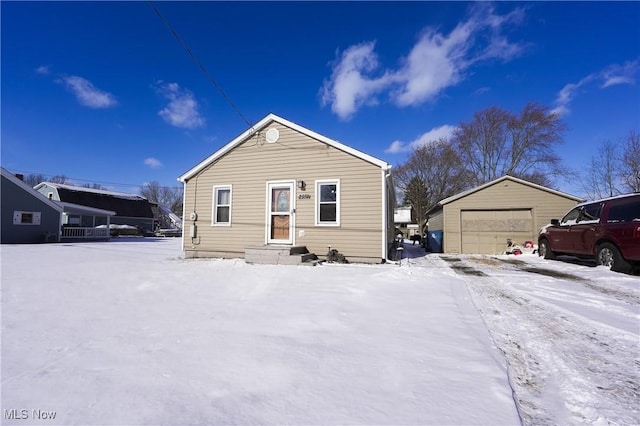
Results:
328 203
26 218
591 213
571 217
624 211
221 205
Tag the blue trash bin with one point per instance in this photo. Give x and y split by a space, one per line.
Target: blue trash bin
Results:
434 241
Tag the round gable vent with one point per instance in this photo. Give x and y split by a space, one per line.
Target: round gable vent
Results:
272 135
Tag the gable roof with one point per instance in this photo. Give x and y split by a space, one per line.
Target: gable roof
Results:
263 123
123 204
91 190
20 184
503 178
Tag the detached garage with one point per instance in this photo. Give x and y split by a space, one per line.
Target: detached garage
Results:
482 219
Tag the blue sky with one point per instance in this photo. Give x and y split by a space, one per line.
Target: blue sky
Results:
103 92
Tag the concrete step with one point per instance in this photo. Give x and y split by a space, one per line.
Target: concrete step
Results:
279 255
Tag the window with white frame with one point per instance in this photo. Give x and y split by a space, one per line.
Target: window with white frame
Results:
221 205
26 218
328 202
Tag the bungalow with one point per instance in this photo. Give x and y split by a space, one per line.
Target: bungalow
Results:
280 186
480 220
125 209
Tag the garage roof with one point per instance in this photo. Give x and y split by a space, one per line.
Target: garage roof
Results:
503 178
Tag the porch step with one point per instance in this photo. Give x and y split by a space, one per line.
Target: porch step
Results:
279 255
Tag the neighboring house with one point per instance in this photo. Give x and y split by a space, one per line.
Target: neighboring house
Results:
402 220
280 184
482 219
27 215
89 208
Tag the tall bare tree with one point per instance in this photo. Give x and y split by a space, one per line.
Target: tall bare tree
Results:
630 164
602 175
35 178
432 172
170 197
497 142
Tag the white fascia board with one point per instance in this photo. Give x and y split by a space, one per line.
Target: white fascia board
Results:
266 120
507 177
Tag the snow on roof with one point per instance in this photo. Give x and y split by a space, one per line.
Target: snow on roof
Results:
93 191
615 197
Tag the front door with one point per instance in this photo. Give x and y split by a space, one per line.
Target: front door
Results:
280 213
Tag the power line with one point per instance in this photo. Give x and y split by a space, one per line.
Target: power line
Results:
73 179
197 61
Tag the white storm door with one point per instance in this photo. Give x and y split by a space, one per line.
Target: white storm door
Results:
280 213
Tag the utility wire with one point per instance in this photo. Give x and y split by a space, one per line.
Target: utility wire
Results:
73 179
197 61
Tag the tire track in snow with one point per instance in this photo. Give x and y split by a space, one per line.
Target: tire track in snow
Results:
559 362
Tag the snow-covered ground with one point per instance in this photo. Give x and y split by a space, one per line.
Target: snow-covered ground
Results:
128 332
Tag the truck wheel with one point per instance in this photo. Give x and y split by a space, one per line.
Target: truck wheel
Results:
545 251
609 256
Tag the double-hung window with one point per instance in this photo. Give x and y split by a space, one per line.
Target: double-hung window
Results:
221 205
328 203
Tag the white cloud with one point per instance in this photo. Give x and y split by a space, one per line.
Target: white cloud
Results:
153 162
182 110
437 61
620 74
612 75
43 70
87 94
433 135
349 86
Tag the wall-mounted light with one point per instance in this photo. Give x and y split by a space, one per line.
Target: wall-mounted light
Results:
302 185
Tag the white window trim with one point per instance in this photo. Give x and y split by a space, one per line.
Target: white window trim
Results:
317 203
36 217
214 210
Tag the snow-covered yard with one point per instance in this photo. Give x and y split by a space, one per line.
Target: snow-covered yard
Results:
128 332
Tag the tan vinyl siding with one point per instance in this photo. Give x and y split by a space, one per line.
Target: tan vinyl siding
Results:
436 221
294 157
505 196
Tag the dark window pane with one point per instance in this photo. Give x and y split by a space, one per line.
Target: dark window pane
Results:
223 215
328 193
327 212
624 212
591 212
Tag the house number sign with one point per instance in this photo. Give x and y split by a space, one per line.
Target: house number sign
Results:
304 196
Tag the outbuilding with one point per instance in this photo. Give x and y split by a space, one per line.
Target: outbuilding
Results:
282 188
482 219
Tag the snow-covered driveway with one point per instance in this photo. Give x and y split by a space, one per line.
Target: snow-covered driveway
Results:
570 334
127 332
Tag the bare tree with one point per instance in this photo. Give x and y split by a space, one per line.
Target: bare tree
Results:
170 197
93 186
34 179
496 143
61 179
432 172
601 178
630 164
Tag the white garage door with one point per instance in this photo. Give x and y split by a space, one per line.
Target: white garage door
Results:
487 231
